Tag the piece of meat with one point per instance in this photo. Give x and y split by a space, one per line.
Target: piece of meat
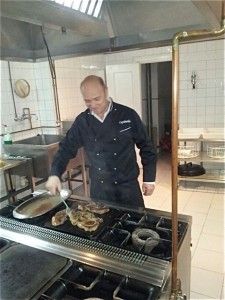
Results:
59 218
85 220
89 225
74 217
94 207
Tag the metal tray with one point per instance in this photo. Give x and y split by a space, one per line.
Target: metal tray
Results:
26 272
36 206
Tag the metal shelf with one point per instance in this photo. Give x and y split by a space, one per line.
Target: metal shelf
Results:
208 177
203 157
201 139
214 175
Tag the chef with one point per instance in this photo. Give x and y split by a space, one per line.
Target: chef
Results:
108 131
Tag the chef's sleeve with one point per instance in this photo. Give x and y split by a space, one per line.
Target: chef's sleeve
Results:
147 151
68 148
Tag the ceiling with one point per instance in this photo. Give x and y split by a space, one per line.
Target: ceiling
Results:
124 24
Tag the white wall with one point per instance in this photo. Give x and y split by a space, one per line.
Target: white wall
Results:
204 105
19 71
70 72
200 107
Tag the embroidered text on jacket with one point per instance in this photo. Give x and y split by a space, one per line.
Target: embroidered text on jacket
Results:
124 121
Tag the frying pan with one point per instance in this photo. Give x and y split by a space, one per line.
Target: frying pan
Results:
39 205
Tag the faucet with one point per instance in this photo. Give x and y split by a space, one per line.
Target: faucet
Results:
27 116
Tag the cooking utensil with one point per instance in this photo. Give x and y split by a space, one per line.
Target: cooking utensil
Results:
64 194
190 169
36 206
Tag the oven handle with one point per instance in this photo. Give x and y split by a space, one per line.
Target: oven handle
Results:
124 280
90 287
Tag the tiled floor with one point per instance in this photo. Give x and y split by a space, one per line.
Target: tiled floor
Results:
207 210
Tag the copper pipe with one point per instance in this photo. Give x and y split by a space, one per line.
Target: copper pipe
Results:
181 36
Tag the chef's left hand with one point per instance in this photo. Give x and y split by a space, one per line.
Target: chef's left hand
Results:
148 189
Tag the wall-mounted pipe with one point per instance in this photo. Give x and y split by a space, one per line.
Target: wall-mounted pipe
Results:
181 36
33 128
12 91
54 81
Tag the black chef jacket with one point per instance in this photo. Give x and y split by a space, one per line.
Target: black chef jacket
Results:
110 149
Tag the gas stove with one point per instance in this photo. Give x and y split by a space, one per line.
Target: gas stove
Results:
108 263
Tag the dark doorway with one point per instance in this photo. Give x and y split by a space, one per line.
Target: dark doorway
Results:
157 98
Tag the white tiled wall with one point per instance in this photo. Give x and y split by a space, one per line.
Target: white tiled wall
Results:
70 72
199 107
204 105
18 71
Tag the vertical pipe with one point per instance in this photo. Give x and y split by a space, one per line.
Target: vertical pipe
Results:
14 103
175 97
149 101
54 81
182 36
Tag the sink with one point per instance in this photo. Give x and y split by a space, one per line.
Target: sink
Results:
40 148
41 140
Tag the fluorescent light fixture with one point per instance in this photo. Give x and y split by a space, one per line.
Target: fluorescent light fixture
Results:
90 67
84 6
91 7
68 3
59 1
97 8
76 4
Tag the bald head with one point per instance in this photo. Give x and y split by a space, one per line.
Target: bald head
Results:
93 79
94 92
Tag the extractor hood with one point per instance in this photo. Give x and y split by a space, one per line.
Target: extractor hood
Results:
122 24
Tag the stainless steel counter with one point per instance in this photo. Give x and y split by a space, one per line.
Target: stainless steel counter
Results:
22 167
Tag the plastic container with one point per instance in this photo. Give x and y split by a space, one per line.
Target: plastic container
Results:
7 138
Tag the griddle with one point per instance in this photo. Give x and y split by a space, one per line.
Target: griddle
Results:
108 220
34 269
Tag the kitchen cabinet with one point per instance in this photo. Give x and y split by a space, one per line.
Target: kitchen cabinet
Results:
206 150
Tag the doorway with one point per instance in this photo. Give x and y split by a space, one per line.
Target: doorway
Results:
156 87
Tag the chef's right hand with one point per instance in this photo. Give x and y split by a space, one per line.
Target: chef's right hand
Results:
53 185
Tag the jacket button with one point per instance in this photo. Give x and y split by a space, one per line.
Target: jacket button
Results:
97 154
115 169
102 181
114 139
95 140
115 153
99 169
115 182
